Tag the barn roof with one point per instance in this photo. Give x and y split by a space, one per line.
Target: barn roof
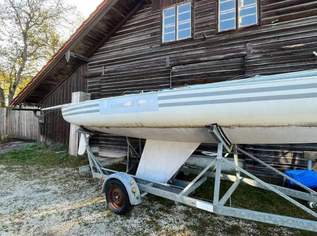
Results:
109 16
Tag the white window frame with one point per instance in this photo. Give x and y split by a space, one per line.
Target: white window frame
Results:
176 10
238 17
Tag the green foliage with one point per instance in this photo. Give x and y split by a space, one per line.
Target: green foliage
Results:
256 199
253 198
41 156
31 33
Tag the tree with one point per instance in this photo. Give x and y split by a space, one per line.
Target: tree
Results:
2 102
29 36
3 85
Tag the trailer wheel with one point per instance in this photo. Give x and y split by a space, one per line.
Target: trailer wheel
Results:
117 197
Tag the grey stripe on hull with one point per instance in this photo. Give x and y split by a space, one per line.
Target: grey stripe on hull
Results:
70 111
240 100
260 79
240 91
81 112
81 107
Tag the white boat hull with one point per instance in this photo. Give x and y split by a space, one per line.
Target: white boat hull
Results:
237 135
263 110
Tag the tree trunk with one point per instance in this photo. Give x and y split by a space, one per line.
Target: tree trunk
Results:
10 96
2 98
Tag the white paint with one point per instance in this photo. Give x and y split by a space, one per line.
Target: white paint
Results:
205 206
82 145
272 135
237 135
203 161
109 153
161 160
190 135
77 97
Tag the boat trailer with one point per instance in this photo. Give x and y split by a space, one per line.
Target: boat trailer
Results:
124 190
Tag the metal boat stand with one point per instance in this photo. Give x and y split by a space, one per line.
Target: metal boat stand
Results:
179 190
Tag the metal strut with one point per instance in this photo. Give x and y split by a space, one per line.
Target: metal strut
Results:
219 204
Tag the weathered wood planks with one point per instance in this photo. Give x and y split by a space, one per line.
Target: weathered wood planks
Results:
19 124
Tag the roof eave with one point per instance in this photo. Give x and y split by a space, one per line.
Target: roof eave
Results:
59 55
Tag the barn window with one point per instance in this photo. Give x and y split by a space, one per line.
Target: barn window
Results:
248 12
169 23
234 14
177 22
227 15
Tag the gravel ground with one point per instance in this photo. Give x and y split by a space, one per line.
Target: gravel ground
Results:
39 201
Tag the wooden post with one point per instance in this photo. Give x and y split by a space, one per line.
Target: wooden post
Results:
6 123
3 120
73 135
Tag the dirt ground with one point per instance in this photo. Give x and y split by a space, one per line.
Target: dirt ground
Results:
58 201
35 201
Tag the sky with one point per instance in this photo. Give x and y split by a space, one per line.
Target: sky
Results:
84 6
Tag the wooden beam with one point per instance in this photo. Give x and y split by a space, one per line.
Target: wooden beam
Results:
96 21
117 27
69 54
77 97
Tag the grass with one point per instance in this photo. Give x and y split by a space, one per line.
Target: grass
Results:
42 156
245 197
253 198
3 140
259 200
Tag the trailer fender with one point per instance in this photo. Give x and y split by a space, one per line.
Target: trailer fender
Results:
130 185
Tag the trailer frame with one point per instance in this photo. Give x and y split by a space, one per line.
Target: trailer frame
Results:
179 190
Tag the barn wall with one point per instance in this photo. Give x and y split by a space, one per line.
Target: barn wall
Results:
135 60
55 129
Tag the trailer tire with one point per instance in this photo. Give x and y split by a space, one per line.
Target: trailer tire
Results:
117 197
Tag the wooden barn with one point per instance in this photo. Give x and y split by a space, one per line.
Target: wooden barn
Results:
128 46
